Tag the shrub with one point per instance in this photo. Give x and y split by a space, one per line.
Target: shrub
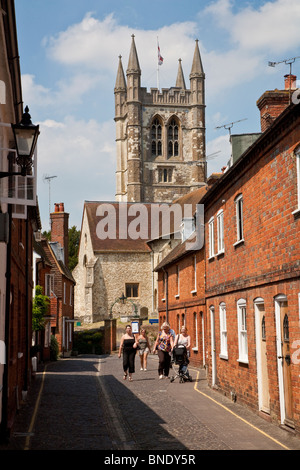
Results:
88 342
54 349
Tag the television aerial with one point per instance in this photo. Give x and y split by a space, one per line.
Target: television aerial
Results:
230 125
48 179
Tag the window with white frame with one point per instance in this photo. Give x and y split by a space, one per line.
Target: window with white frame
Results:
194 275
223 331
164 285
211 238
71 294
239 218
195 346
242 331
298 176
177 281
65 293
220 231
49 284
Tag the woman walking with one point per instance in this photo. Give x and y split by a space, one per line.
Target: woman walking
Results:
128 344
144 348
183 339
164 344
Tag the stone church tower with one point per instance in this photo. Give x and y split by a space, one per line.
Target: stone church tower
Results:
160 135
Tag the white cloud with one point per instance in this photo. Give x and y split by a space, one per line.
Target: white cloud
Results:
97 44
67 91
76 145
82 151
274 27
218 153
34 92
81 154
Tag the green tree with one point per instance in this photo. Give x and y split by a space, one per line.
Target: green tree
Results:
39 309
47 234
74 237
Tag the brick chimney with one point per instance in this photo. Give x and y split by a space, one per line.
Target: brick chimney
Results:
60 229
272 103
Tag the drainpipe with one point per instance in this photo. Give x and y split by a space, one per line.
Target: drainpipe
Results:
152 281
4 421
27 308
167 295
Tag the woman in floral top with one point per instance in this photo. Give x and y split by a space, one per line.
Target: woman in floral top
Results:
164 344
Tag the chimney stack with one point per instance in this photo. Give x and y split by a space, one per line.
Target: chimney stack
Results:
272 103
60 229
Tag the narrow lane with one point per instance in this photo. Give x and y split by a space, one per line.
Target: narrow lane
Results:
84 404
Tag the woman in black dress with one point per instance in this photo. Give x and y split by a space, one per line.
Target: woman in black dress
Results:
129 345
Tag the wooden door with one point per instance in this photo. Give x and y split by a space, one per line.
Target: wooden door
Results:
265 396
286 364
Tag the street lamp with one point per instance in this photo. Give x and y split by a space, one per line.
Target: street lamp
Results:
25 135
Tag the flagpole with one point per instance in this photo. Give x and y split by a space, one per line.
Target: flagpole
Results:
157 67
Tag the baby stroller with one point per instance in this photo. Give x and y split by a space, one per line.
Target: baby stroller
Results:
180 358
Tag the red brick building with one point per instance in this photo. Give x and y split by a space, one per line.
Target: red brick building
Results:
41 273
53 274
181 293
252 271
18 221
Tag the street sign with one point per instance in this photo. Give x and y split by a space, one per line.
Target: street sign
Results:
135 327
153 320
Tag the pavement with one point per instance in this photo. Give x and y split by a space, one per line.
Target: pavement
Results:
83 403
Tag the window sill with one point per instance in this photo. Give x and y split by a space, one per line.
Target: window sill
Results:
220 253
194 291
243 361
163 300
296 213
177 296
223 356
211 258
239 242
195 349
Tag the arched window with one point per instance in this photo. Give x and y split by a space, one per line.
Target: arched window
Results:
156 138
173 144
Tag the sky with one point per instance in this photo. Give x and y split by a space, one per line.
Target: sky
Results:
69 53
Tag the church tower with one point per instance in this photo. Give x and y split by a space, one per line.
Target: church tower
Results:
160 135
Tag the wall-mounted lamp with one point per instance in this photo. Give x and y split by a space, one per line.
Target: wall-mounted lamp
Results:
25 135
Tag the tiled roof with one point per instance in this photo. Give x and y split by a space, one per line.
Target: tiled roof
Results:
124 214
118 243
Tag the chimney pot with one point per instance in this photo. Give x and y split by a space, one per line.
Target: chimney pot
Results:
56 207
61 207
290 81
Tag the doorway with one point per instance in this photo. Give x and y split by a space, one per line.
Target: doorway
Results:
284 360
261 354
213 348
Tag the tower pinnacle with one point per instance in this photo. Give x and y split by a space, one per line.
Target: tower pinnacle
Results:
180 82
197 69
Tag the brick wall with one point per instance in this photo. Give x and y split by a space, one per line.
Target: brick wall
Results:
186 302
20 317
263 265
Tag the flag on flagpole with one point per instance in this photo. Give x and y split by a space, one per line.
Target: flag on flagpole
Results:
160 58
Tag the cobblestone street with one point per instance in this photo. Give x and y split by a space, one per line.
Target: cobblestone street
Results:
82 403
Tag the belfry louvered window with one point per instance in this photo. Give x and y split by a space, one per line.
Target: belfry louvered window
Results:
156 138
173 133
